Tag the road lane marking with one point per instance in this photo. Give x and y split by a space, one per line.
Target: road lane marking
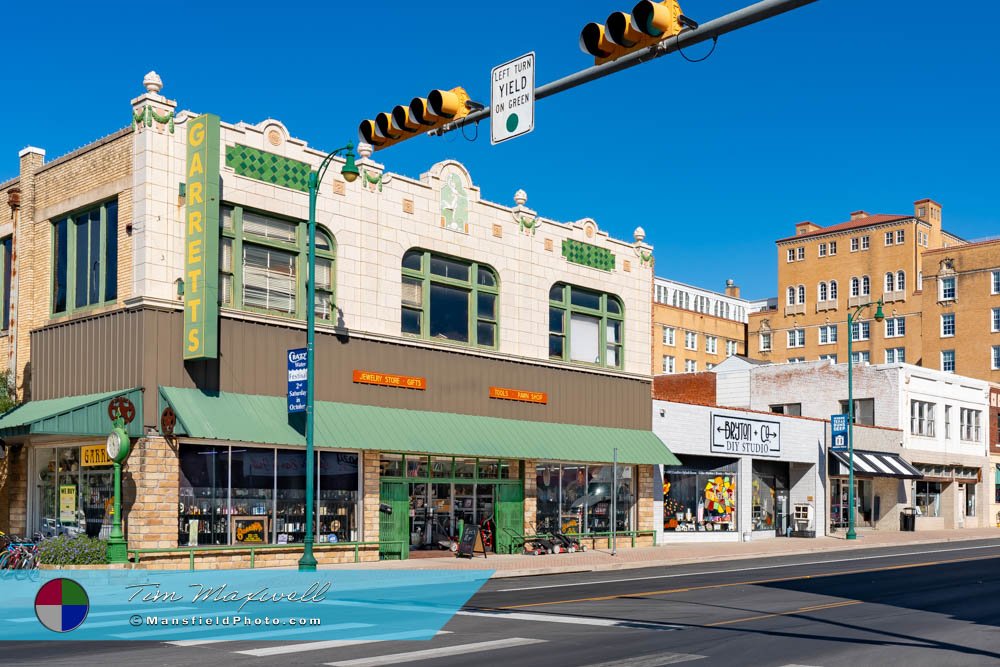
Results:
652 660
818 607
742 569
336 643
756 582
572 620
428 654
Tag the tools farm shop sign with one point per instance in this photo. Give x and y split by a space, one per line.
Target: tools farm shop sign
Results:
201 241
752 437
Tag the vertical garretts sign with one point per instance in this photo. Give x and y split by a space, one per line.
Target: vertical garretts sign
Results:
201 244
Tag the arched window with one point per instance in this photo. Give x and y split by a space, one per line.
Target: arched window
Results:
822 296
855 286
900 281
271 255
833 290
791 296
866 285
889 281
802 293
585 325
449 299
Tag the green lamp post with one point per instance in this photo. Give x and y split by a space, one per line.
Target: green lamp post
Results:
851 317
118 446
350 172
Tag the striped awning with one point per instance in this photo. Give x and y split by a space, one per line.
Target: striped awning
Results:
872 464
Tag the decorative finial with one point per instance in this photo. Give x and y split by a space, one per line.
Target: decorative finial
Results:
520 197
153 83
639 234
364 150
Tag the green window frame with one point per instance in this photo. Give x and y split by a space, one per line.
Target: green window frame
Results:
437 288
581 310
6 258
264 264
85 259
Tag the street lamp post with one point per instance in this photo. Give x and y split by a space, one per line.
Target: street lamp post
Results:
879 316
350 172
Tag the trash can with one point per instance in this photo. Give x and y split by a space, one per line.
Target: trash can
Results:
908 519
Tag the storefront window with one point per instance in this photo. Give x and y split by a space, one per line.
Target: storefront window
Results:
441 467
252 475
337 491
928 498
762 502
577 498
574 492
547 497
700 496
488 469
204 483
72 491
391 465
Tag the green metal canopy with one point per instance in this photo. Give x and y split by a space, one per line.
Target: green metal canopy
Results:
265 420
70 415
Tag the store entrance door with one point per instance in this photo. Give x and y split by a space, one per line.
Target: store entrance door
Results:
438 511
781 510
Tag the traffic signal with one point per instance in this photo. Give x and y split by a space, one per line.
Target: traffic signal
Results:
422 115
649 23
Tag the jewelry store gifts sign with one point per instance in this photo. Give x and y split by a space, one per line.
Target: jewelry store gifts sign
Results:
201 245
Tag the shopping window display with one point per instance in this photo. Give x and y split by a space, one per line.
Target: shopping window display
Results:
700 495
244 495
576 498
73 491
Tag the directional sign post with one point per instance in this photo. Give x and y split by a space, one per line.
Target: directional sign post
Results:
838 430
297 380
512 98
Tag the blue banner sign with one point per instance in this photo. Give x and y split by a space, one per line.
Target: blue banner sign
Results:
838 430
297 379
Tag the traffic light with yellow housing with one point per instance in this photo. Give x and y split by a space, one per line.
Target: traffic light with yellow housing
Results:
649 23
422 115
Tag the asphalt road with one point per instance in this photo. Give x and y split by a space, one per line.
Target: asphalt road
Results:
936 604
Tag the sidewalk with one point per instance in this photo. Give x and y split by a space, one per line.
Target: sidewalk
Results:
673 554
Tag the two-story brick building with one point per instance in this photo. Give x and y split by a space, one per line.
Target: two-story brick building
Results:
475 362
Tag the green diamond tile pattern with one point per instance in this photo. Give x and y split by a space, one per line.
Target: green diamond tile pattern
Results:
579 252
268 167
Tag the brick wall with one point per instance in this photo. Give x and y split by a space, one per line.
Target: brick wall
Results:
151 491
685 388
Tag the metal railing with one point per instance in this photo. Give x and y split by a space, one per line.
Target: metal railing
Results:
253 549
633 534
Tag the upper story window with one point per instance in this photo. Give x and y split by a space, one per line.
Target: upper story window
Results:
765 342
860 330
790 255
947 288
922 418
448 299
864 243
995 288
800 253
948 361
661 294
895 327
889 236
822 293
263 264
732 348
854 244
802 293
822 250
796 337
669 364
6 256
827 334
861 357
947 325
585 325
900 281
969 429
995 326
864 410
900 236
690 340
866 286
669 336
890 281
791 296
690 366
855 286
85 258
712 344
833 247
682 299
833 290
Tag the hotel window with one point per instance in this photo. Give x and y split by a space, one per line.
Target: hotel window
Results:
854 244
860 330
822 250
800 253
6 256
995 289
947 422
661 294
270 275
900 281
928 497
823 293
895 355
669 336
855 287
802 293
996 319
828 357
900 236
864 243
828 334
765 342
586 326
864 410
791 296
895 327
796 360
790 255
922 418
947 288
866 286
449 299
890 281
948 361
712 344
996 366
888 238
947 325
85 259
796 338
833 247
668 364
732 348
833 290
970 424
690 340
690 366
862 357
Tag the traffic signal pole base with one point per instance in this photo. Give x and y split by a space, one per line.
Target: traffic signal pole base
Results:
851 535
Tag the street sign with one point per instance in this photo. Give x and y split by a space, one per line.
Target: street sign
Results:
297 380
512 98
838 429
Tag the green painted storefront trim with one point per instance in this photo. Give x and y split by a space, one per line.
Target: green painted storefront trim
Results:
252 418
268 167
85 415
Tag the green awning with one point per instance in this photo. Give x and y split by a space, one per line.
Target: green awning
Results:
85 415
265 420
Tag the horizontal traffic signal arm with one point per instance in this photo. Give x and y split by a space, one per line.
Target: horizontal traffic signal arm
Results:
422 115
649 23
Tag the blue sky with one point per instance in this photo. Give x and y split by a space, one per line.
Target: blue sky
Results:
837 106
